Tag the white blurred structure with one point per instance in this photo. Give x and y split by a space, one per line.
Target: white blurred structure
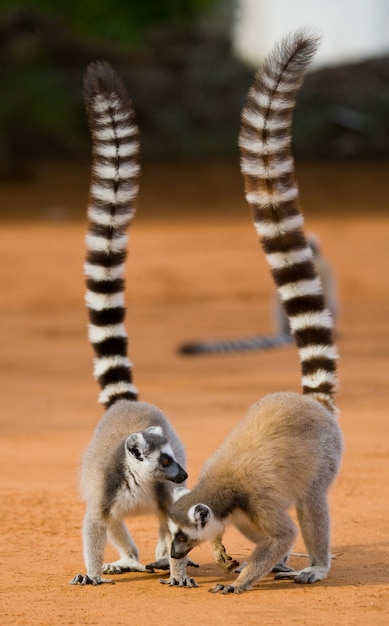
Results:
351 30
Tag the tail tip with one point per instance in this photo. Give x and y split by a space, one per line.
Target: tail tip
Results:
99 78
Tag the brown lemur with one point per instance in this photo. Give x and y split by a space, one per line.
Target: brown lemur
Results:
288 448
134 456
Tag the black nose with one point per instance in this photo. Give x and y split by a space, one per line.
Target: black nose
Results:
181 475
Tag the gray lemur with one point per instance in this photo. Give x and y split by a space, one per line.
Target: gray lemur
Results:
287 450
134 456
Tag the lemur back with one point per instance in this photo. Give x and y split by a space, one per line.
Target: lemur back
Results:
287 449
134 455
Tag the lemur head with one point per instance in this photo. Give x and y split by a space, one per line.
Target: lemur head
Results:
149 451
190 526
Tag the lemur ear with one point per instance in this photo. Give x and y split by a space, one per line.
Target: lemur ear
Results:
178 492
200 514
154 430
136 446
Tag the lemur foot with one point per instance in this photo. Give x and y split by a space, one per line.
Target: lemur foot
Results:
226 562
182 581
165 565
227 589
223 560
239 569
125 564
282 567
306 576
159 564
80 579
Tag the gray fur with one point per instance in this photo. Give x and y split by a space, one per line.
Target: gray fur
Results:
122 476
134 456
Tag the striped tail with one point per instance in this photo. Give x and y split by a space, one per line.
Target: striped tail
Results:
268 171
241 344
112 194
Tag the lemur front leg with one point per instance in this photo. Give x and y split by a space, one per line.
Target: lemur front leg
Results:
178 576
94 540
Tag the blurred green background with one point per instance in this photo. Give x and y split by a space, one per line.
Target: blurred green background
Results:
187 85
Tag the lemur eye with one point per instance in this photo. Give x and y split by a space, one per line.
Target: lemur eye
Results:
165 460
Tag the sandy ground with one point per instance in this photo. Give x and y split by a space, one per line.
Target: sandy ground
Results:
199 274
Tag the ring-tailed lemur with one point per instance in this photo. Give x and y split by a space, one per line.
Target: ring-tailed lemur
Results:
134 455
282 335
287 450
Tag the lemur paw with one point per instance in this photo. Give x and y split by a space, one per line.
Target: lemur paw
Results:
240 568
183 581
127 564
223 560
226 589
282 567
229 566
159 564
305 576
226 562
165 565
80 579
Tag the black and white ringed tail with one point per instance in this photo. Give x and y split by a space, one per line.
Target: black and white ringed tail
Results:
112 195
268 170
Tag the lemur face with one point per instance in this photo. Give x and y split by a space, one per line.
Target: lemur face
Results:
149 453
202 526
182 543
168 468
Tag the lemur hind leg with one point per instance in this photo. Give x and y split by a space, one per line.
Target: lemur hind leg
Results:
162 550
313 516
224 560
270 550
123 542
247 530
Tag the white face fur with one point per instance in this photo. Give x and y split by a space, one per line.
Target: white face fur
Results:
155 461
202 526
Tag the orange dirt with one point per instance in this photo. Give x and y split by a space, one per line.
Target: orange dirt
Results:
199 275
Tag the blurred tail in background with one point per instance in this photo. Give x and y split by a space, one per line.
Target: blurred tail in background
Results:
281 336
